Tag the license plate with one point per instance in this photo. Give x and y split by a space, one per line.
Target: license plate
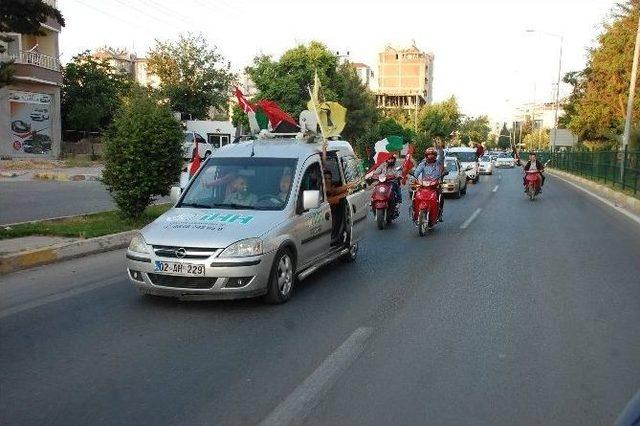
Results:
175 268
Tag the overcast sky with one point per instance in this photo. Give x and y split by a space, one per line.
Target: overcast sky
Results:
483 54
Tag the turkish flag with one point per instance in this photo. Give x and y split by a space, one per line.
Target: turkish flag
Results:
195 159
409 163
244 103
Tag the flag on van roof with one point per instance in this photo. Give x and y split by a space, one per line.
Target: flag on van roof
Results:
280 121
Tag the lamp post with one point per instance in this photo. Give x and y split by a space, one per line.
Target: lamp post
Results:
557 103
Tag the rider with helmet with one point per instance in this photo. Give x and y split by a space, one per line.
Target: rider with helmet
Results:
387 168
432 167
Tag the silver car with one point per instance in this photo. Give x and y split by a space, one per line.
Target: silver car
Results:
254 218
455 182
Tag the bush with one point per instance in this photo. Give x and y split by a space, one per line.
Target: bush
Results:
143 153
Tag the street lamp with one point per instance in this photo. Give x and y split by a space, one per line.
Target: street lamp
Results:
557 106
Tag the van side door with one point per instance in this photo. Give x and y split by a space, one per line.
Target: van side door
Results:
359 197
313 227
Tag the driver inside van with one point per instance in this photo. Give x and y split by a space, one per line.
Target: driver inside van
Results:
285 185
240 193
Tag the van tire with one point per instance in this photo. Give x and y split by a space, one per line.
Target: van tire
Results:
283 270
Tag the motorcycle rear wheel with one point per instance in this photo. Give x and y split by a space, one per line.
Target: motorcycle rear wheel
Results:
423 223
380 218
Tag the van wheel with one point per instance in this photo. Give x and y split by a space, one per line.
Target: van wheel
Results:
352 255
281 279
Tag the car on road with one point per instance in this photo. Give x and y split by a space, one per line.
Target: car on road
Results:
254 218
505 160
205 149
468 159
455 182
485 165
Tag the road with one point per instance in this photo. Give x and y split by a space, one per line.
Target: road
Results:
528 315
31 200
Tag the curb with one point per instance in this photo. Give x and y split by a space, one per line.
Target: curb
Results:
63 251
65 177
626 204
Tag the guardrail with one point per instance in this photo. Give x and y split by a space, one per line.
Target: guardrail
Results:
620 169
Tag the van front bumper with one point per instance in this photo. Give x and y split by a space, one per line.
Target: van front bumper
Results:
223 279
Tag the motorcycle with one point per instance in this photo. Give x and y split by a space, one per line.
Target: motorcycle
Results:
533 181
383 201
425 204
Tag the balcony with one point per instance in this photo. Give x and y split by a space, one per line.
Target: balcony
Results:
35 66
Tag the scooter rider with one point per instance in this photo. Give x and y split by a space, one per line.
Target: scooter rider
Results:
432 167
388 169
532 165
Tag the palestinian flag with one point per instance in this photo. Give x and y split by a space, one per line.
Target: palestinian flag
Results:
385 149
250 110
280 121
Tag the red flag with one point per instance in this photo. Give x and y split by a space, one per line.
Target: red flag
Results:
409 163
244 103
195 159
275 114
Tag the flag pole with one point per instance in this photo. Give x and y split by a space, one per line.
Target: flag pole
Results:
324 139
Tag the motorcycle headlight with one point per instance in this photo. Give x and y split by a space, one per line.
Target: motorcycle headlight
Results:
244 248
138 244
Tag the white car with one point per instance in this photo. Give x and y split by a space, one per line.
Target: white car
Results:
204 148
505 160
485 165
468 160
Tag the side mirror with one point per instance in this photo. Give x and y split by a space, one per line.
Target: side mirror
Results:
174 195
310 200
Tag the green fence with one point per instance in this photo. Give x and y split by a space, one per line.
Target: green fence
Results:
620 169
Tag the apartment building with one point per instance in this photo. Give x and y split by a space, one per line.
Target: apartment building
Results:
30 122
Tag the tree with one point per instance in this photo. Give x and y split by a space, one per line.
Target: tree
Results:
23 17
194 77
474 130
537 140
359 102
143 152
91 92
504 139
437 120
596 109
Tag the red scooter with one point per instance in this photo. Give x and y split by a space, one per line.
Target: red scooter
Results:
425 211
533 181
383 202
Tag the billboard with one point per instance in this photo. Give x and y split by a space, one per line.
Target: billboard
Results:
30 123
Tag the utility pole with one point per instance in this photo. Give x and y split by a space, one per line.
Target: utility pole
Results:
555 115
632 90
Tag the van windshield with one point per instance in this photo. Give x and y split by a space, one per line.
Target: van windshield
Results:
242 183
465 156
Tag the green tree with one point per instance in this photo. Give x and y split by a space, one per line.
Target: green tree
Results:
194 77
91 92
359 101
22 17
143 152
437 120
596 110
474 130
504 139
537 140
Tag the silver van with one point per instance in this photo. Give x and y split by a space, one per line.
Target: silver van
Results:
255 218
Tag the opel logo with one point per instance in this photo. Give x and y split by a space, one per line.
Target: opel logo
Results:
181 253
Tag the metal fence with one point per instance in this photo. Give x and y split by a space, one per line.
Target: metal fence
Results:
620 169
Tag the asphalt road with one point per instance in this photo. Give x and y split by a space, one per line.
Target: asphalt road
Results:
528 315
22 201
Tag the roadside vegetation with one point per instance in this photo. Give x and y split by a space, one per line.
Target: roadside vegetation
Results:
85 226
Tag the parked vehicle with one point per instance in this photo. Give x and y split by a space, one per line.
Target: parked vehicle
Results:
533 182
204 149
455 182
216 133
383 201
468 159
505 160
425 204
485 166
255 218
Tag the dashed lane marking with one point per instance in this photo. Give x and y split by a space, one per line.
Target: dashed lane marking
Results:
471 219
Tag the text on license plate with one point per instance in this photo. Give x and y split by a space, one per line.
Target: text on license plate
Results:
179 268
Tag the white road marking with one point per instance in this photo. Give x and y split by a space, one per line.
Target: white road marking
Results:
471 218
59 296
299 404
500 176
495 189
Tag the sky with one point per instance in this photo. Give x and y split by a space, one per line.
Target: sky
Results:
483 52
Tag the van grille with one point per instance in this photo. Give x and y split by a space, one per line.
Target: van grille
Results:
187 252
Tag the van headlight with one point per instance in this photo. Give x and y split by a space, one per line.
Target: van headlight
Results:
244 248
138 244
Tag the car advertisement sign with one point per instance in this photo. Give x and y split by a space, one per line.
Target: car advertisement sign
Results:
30 131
